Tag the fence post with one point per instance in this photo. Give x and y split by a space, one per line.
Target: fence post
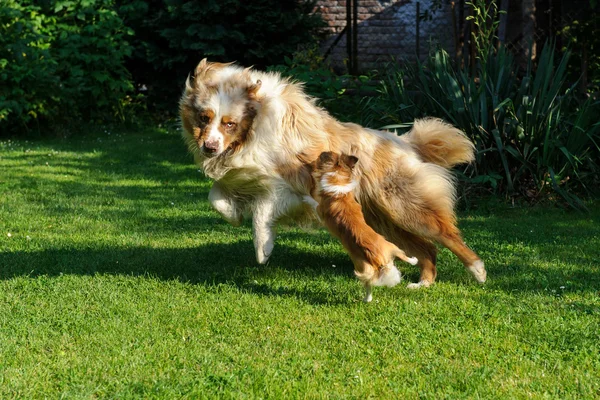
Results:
349 33
355 38
418 30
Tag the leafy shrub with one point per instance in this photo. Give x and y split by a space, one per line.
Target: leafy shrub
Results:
28 80
531 132
582 38
172 36
342 95
61 62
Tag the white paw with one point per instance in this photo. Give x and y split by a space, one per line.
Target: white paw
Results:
261 257
368 294
412 260
419 285
477 269
235 221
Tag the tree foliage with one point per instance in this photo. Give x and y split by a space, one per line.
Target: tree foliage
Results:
61 62
67 63
173 35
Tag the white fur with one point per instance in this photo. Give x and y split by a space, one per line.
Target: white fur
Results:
216 136
224 205
390 276
310 201
368 294
477 269
336 190
412 260
418 285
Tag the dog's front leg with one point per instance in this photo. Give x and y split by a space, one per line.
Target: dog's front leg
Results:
225 205
263 230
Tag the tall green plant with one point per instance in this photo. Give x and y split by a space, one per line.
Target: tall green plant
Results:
531 131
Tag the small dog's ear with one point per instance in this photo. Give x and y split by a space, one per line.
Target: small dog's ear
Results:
326 157
350 161
253 90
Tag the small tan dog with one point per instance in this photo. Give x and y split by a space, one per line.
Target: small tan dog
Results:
333 197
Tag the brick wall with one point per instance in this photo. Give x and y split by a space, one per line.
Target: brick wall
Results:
385 28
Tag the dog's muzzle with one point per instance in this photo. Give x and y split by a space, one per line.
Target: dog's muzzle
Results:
211 147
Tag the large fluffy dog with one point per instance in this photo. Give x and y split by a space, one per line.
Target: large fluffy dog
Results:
255 133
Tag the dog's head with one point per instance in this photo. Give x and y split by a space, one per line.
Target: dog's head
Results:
333 170
217 108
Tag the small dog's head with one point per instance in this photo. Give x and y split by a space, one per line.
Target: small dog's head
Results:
334 173
217 108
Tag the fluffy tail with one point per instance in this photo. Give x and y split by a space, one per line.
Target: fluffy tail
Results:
402 256
387 275
440 143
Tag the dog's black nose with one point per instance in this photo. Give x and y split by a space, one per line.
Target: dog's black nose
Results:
211 147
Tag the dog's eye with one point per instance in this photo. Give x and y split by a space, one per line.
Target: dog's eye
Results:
204 119
229 124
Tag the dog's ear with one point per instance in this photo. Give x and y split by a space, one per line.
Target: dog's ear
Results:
326 157
349 160
201 68
253 90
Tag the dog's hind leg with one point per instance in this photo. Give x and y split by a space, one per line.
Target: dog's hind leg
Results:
413 245
424 251
226 206
263 219
451 238
441 228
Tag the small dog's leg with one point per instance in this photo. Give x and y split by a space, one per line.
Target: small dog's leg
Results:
419 285
224 205
477 269
263 231
368 293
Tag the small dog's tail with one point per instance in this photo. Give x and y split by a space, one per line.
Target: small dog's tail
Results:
440 143
386 275
402 256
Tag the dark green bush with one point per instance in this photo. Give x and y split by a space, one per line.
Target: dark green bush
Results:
61 63
172 36
28 81
341 95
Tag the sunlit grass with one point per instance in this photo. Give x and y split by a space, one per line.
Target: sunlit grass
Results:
118 280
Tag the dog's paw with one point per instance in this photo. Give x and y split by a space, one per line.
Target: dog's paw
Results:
477 269
412 260
235 220
419 285
262 258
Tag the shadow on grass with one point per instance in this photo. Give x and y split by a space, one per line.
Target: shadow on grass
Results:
161 172
210 264
233 264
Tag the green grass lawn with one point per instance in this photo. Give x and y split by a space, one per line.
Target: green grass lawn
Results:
118 280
